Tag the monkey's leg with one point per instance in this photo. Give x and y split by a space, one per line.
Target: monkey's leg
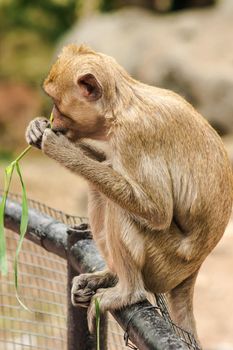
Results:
85 286
181 304
116 297
126 252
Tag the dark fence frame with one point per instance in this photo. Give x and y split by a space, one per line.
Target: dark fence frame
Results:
145 327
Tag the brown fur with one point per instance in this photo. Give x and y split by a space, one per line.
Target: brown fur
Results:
161 185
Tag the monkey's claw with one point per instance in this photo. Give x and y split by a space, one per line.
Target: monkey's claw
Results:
80 232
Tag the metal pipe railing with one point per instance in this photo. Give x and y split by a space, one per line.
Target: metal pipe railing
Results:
145 327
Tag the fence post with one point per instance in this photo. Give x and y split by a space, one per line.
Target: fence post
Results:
78 335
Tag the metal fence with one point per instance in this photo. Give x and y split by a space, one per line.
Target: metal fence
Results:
42 281
45 282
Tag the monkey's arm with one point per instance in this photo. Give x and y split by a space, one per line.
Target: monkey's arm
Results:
37 127
125 192
90 150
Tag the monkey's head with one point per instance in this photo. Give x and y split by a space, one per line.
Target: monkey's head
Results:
79 84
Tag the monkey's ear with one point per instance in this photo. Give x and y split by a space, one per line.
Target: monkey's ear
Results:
89 87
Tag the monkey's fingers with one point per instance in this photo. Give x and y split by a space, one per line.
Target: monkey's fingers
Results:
35 130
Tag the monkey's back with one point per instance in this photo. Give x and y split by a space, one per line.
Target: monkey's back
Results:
172 140
201 176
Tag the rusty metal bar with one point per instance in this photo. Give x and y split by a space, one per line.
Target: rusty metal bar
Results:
78 335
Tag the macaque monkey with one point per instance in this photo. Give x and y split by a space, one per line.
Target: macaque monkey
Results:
161 185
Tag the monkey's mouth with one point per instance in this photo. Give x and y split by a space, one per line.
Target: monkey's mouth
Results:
72 135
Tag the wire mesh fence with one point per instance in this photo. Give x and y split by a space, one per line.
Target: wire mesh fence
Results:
42 288
42 281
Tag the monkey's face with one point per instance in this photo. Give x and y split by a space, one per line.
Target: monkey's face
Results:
77 95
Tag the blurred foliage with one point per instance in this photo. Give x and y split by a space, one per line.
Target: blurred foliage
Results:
106 5
24 56
49 18
6 156
157 5
29 30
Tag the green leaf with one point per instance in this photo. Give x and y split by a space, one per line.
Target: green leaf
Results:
23 230
7 180
24 218
97 312
22 154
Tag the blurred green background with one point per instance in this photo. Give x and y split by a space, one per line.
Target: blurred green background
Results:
29 32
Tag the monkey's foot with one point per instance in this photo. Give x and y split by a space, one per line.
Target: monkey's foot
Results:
85 286
111 299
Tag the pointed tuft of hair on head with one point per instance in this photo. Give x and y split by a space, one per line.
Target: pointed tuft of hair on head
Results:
77 50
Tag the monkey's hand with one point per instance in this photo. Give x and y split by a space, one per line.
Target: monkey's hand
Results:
35 130
58 147
55 144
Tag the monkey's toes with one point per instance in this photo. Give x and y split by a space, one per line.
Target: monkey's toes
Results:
88 281
81 297
80 232
79 282
83 226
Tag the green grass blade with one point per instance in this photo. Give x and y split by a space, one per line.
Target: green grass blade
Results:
23 153
51 118
23 230
97 311
7 180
